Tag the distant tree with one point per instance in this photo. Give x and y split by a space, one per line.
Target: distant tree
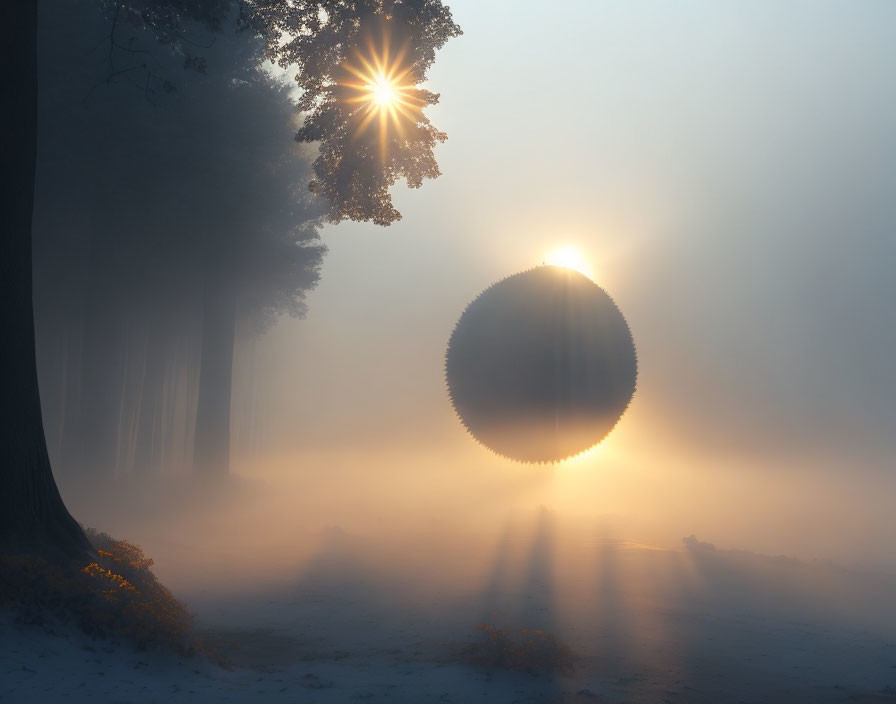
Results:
271 257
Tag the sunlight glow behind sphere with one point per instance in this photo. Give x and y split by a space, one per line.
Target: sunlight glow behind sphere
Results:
541 365
571 258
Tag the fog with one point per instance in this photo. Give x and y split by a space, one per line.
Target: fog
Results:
729 177
728 170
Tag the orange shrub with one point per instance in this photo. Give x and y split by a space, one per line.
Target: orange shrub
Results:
117 595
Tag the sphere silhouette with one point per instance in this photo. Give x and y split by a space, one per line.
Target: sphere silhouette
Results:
541 365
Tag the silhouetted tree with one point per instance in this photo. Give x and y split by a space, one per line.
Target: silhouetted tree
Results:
356 167
32 515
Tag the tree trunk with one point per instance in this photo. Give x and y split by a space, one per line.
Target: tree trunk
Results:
32 515
212 440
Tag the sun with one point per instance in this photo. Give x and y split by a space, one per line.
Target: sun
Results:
382 92
571 258
379 88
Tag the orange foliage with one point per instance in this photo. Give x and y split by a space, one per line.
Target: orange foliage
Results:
116 595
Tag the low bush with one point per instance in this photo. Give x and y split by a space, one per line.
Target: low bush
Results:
529 650
115 595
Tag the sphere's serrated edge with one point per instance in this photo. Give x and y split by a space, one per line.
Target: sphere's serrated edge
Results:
454 405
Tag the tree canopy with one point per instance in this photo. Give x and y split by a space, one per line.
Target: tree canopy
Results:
331 44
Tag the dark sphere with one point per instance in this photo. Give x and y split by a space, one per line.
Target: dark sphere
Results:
541 365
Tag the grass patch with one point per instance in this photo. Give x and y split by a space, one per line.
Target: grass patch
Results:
528 650
115 595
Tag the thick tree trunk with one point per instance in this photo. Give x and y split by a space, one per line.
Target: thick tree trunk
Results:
212 439
32 515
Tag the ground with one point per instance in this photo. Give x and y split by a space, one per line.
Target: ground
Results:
746 631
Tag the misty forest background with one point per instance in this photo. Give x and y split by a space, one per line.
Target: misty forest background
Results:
173 224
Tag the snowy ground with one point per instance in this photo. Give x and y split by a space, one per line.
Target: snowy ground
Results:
69 668
654 626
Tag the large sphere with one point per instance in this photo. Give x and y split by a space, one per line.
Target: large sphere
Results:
541 365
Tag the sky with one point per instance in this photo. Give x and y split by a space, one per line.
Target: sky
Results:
728 171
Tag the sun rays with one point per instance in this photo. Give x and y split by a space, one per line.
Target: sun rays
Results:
380 86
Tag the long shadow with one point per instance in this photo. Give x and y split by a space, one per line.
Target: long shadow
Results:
495 593
527 603
538 606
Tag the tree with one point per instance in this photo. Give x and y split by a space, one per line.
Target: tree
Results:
340 47
260 264
32 514
337 47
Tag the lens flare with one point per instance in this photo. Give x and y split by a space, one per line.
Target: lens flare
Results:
379 86
382 92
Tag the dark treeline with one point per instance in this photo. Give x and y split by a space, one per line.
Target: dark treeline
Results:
172 214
